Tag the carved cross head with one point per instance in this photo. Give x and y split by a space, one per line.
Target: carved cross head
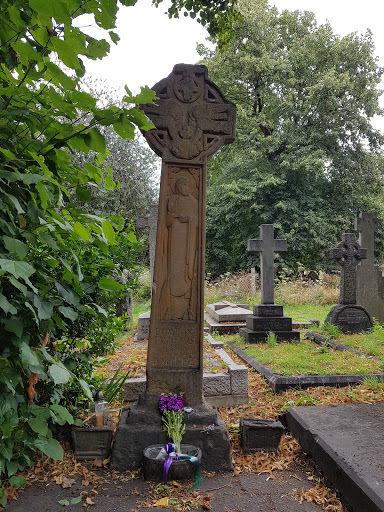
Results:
348 252
192 117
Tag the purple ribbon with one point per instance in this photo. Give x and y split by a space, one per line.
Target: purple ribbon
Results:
169 448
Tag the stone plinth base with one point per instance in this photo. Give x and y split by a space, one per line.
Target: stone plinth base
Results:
140 426
261 336
350 318
268 318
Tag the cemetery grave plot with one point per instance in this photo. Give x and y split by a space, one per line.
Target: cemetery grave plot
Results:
306 364
133 357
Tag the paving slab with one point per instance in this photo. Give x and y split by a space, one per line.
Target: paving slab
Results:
346 442
244 493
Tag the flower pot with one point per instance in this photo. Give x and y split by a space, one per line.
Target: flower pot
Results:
179 469
92 442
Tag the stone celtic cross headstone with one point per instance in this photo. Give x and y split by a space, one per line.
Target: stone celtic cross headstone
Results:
267 317
347 315
369 277
192 121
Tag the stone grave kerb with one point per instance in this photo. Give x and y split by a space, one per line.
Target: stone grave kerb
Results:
348 254
267 246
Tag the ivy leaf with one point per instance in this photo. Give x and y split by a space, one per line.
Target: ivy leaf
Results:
115 37
108 284
81 231
86 388
17 268
39 425
50 447
59 374
17 481
28 356
68 313
6 306
63 413
83 194
109 232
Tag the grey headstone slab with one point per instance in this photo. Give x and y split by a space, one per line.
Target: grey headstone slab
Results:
347 443
231 314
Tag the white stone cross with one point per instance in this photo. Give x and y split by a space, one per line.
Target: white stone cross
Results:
267 246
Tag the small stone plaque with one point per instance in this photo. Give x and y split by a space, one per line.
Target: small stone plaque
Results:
280 323
267 310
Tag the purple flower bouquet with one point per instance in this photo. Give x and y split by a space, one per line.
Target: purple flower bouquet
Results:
172 408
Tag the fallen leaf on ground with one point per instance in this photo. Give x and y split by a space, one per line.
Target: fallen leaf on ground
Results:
67 482
162 503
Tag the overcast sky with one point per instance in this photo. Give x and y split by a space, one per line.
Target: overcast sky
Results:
151 44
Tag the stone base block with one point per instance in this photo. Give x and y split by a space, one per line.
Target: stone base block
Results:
267 310
216 384
143 326
225 328
258 434
274 324
140 426
261 336
350 318
132 388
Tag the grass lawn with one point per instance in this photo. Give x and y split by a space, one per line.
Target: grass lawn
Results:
307 358
371 343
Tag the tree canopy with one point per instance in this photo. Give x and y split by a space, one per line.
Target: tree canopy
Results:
306 157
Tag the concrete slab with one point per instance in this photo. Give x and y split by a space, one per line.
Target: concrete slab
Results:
347 443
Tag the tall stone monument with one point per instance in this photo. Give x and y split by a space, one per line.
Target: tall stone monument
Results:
369 277
268 317
192 121
348 316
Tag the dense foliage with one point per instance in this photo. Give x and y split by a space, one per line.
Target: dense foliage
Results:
306 157
55 263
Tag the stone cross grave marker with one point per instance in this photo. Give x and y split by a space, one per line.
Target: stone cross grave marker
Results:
267 246
348 316
150 221
192 121
348 254
369 277
267 317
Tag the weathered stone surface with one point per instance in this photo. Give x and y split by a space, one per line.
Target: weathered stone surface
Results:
192 121
143 325
369 277
259 434
140 426
267 246
348 254
251 336
216 384
231 314
350 318
267 310
133 388
274 324
239 379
